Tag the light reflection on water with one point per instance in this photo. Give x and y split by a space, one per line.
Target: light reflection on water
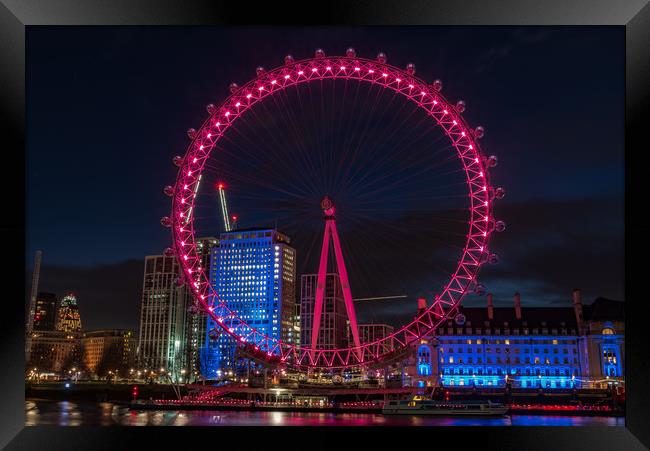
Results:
66 413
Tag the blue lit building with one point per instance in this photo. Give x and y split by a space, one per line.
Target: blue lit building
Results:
550 348
254 272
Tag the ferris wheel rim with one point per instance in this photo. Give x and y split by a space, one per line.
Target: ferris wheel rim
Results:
425 96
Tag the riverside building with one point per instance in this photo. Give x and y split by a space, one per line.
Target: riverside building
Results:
551 347
254 273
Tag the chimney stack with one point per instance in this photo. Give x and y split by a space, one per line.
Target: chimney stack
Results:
422 304
490 307
577 308
517 305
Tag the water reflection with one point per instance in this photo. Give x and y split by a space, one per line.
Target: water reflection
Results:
65 413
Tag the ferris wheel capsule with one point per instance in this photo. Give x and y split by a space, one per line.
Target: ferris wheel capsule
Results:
499 193
288 59
233 87
480 289
381 57
166 221
492 161
493 259
479 132
460 106
168 190
259 70
168 252
319 53
350 52
177 160
437 85
500 226
210 108
410 69
191 133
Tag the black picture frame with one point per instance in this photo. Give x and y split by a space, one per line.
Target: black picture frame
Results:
16 15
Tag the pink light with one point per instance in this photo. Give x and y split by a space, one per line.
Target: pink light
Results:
300 72
182 243
328 68
485 188
182 201
200 147
444 111
314 69
371 71
227 113
184 257
261 88
181 229
211 308
218 124
185 187
189 172
248 96
357 69
485 219
423 93
484 234
237 104
195 160
471 147
274 82
398 80
480 174
475 160
462 133
435 102
411 86
342 67
209 135
455 123
486 204
384 75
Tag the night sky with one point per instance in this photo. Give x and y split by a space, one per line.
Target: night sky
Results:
108 108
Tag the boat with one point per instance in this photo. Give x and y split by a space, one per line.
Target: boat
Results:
420 405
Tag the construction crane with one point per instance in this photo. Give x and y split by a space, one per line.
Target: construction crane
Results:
228 226
381 298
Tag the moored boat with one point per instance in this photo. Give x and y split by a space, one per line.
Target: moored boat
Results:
422 406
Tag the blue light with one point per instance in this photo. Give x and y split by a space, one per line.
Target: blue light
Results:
247 269
67 385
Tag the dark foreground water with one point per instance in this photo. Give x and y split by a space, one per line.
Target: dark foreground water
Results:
66 413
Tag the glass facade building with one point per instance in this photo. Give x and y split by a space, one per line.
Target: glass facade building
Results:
254 273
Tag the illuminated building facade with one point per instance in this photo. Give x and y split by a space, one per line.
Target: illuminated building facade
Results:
550 348
196 316
369 333
254 272
54 352
108 350
333 332
68 318
45 312
163 317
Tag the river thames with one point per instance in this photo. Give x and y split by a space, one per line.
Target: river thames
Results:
67 413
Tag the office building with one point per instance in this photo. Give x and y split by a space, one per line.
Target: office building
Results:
254 272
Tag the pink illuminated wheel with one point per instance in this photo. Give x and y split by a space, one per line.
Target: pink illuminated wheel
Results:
445 115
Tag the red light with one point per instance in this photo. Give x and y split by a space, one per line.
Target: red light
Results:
220 186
